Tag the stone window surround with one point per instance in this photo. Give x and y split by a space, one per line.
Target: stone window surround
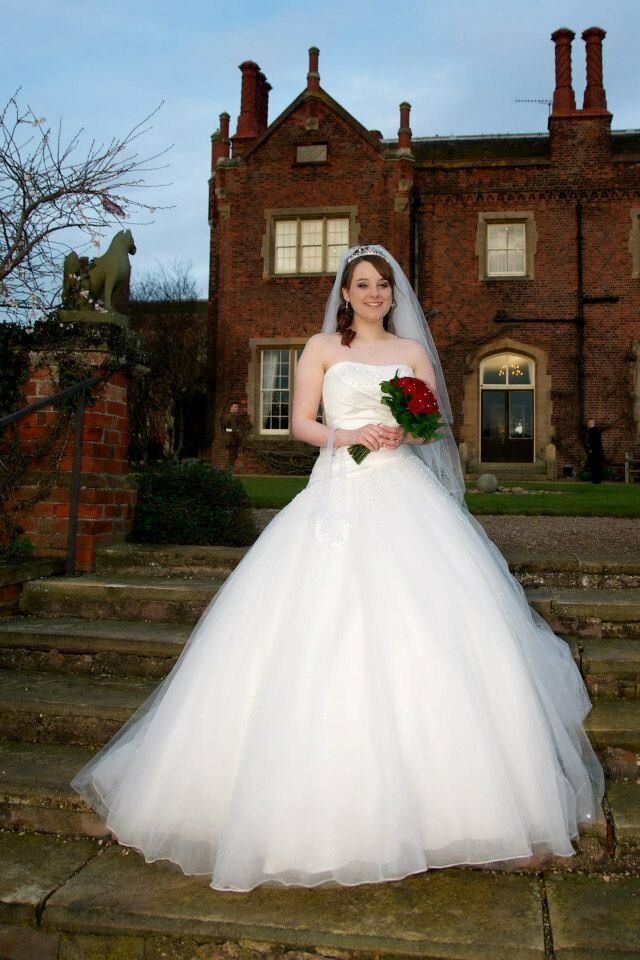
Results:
311 163
256 346
530 240
543 408
310 213
634 243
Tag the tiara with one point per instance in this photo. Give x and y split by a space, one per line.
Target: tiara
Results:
364 252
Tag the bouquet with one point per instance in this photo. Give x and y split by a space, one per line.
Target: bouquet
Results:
413 406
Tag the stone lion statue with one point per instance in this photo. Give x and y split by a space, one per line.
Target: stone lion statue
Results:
101 281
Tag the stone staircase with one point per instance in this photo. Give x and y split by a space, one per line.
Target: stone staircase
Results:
85 652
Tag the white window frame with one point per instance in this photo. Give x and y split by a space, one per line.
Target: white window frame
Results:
504 218
299 215
294 349
300 222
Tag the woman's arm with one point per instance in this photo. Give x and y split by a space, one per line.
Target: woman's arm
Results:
307 394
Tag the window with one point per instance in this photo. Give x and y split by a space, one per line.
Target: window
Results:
507 408
277 373
306 245
505 245
306 241
505 249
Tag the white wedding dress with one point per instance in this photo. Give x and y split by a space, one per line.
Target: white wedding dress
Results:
368 696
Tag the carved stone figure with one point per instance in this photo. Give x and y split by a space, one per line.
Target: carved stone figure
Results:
97 285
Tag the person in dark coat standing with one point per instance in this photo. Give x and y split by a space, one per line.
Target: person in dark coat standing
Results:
232 435
595 453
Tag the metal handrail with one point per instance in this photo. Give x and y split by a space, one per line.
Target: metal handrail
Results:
80 389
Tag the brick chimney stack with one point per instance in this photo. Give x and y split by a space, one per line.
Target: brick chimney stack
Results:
564 100
595 99
313 76
220 142
404 133
262 108
254 107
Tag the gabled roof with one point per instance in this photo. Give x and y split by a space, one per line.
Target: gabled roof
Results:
322 96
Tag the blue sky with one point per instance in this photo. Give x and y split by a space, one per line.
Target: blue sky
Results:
461 64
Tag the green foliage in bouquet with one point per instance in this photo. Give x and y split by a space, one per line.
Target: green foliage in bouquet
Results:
192 503
414 408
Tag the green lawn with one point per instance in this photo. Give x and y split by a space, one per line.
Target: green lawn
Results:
568 498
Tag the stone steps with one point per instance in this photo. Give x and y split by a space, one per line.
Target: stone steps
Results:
171 599
91 647
574 571
532 569
167 560
611 668
35 795
582 613
53 708
87 711
63 898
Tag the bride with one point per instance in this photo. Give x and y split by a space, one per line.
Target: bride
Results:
368 695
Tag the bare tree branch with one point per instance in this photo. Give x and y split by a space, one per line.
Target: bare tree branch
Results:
47 186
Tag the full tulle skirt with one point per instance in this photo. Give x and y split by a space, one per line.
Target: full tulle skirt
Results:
357 708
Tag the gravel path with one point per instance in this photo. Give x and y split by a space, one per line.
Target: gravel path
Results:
594 536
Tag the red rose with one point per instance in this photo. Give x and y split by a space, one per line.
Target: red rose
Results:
419 405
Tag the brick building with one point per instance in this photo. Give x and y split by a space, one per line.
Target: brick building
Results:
525 247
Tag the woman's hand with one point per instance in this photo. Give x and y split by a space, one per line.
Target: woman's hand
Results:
374 436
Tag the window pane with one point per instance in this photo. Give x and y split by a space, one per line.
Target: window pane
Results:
311 246
506 248
520 370
275 391
337 241
493 415
494 370
521 415
285 252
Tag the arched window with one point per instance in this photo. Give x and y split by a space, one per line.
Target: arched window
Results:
507 383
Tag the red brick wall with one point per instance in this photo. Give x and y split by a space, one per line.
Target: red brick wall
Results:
107 494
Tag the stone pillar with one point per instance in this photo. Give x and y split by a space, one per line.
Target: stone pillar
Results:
564 100
595 98
107 492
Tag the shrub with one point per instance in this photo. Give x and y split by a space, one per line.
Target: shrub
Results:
191 503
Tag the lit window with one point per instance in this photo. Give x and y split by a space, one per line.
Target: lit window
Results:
506 250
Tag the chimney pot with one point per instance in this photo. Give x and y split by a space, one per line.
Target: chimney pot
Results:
313 76
595 98
404 133
564 100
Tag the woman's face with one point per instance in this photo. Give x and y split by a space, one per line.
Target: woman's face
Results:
370 294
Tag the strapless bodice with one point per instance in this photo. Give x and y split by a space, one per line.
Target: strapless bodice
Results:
351 394
351 398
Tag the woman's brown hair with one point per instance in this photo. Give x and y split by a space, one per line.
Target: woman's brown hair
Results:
345 311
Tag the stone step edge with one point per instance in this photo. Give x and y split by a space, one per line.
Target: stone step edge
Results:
82 635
